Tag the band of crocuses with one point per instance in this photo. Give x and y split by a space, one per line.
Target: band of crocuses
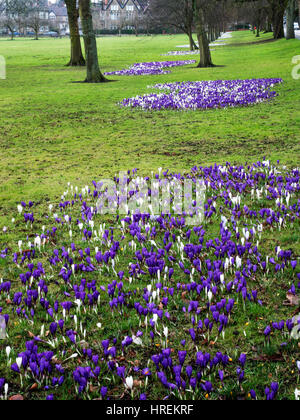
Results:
153 68
200 283
205 95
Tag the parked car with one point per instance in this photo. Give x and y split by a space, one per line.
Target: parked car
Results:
51 34
296 25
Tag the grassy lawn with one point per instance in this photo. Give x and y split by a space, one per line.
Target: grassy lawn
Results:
55 132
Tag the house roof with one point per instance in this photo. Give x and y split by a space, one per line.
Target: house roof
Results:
139 4
58 11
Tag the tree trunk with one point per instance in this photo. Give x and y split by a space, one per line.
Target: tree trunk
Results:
299 10
278 26
94 74
195 45
268 25
278 9
258 23
290 14
77 58
192 47
205 56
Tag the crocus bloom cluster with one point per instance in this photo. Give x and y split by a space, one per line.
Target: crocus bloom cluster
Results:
152 68
206 95
135 304
180 53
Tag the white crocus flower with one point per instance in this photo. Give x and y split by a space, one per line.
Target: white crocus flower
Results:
238 262
8 351
5 391
19 362
137 340
37 242
129 382
166 332
71 357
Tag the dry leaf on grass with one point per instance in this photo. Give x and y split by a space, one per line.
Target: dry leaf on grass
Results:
16 398
292 300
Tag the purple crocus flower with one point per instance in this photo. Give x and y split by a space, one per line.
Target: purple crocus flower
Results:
243 359
267 331
103 391
192 334
208 387
15 368
182 356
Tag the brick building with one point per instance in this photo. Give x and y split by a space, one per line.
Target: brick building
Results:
118 14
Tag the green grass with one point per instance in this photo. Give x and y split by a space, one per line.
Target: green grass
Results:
54 131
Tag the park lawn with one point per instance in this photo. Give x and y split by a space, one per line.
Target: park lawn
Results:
55 131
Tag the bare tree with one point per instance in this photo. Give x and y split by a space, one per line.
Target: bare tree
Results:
275 10
121 23
136 22
200 8
290 15
146 24
178 14
278 9
94 74
76 58
13 15
37 16
21 9
6 18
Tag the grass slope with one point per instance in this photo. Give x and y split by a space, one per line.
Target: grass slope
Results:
54 131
